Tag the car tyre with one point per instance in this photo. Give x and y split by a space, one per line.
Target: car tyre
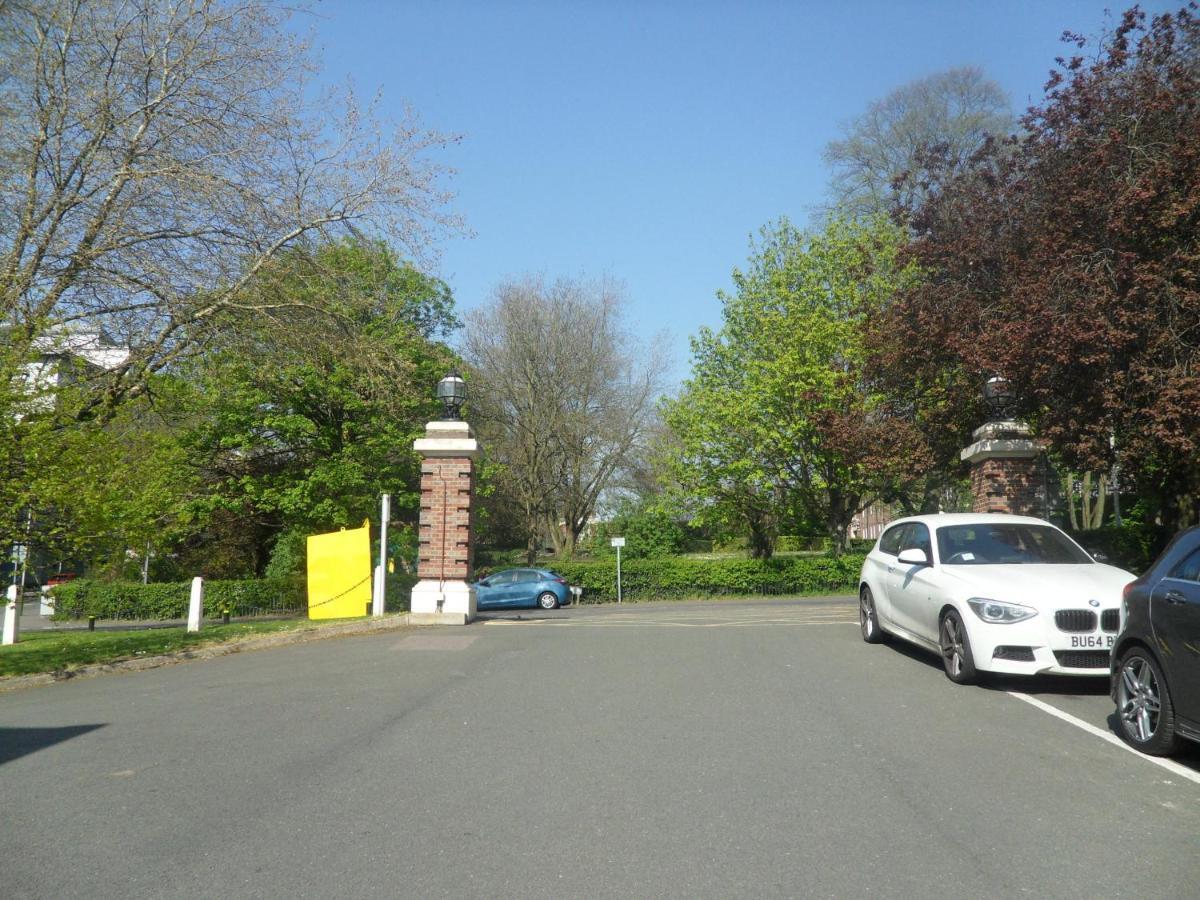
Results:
547 600
868 618
957 659
1145 712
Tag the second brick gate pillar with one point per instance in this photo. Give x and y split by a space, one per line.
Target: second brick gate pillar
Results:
1004 470
445 557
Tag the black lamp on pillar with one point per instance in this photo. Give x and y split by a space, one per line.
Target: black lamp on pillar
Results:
999 397
452 391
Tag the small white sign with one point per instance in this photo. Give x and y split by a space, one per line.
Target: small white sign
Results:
618 542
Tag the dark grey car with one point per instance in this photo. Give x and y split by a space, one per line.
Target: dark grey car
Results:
1156 656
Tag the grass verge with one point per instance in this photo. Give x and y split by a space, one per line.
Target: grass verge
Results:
56 651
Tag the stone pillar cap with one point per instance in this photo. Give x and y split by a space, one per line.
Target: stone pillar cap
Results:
447 440
1005 428
448 428
1019 448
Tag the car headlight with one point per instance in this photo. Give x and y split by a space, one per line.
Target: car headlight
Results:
996 612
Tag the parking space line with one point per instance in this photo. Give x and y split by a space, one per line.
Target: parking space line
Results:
1173 767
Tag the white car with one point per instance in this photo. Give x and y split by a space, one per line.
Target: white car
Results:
991 593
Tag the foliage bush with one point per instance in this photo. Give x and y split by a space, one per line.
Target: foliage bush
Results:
678 577
133 600
649 531
1131 546
288 556
795 543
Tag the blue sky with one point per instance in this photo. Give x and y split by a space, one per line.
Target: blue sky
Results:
646 141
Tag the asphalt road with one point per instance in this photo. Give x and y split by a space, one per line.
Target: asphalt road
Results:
666 750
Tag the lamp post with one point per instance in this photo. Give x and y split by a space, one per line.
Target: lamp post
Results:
452 391
999 397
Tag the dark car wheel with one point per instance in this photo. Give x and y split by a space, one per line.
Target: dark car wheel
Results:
868 619
547 600
956 650
1144 708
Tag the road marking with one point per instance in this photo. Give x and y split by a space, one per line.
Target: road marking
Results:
1171 766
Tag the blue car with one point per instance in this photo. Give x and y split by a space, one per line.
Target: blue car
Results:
513 588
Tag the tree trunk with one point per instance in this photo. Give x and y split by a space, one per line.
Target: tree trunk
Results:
1069 499
1098 508
839 518
841 538
762 536
566 547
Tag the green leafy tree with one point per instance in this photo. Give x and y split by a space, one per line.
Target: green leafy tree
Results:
774 425
111 496
308 421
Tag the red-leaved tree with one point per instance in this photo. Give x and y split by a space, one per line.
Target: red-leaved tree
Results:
1069 261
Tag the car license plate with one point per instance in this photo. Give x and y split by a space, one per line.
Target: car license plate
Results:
1092 641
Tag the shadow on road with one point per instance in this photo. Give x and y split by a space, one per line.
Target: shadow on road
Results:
1073 685
515 617
913 652
17 742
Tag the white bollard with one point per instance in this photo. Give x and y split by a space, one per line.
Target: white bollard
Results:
12 617
377 592
196 606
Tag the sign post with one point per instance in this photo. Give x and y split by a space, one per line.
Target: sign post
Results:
618 542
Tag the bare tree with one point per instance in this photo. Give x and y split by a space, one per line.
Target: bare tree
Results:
563 396
878 164
155 155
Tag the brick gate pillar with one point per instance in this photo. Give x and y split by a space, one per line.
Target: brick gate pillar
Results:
1005 476
445 557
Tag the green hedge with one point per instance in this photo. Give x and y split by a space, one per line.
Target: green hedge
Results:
677 577
133 600
398 591
1133 546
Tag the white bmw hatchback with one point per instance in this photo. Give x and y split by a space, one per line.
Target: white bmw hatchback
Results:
991 593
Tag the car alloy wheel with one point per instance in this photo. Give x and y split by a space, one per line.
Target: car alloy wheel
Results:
956 650
1144 707
868 619
547 600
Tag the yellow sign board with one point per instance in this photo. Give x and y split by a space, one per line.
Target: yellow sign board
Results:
339 574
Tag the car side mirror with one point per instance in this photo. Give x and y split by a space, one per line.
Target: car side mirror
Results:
485 583
1098 556
913 556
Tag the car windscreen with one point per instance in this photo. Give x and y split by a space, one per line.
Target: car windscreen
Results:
1005 543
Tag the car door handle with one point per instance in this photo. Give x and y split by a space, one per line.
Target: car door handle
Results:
1175 598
